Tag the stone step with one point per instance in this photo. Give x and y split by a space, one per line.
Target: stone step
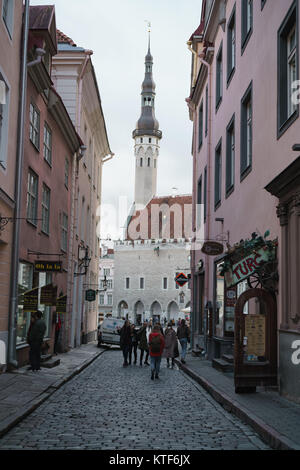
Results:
51 363
222 365
46 357
228 358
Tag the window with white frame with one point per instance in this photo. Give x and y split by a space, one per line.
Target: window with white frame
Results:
127 282
246 131
101 299
32 197
247 21
47 144
230 155
142 283
109 299
106 271
165 283
64 232
45 209
231 46
34 128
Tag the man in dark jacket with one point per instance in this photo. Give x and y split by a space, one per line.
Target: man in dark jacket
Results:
35 340
125 341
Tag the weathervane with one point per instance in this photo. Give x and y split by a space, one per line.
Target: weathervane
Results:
149 29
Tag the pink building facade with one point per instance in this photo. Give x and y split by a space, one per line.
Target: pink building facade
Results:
245 61
10 58
51 145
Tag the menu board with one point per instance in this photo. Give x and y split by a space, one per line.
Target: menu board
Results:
255 332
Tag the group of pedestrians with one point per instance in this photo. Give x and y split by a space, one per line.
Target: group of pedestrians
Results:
153 341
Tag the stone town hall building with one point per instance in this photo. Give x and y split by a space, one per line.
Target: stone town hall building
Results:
158 230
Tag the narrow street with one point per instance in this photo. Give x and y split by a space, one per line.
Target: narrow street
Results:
108 407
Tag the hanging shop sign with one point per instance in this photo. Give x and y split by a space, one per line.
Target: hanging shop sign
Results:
61 304
48 266
48 295
90 295
247 266
181 279
31 299
212 248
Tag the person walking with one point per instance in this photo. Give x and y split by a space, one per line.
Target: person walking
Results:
125 341
57 331
32 320
183 334
171 345
156 346
143 343
35 338
134 344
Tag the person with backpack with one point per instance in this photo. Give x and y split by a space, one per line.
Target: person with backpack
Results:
156 347
183 334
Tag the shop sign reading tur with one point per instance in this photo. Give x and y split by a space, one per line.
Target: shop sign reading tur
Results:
246 267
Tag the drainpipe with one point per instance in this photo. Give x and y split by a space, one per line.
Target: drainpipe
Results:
40 53
18 192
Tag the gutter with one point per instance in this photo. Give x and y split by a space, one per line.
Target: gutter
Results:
18 193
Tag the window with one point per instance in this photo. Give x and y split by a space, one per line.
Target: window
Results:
246 132
4 119
141 140
206 110
109 299
47 144
218 174
219 77
64 232
127 282
231 46
25 283
45 209
141 162
35 126
149 161
247 22
101 299
230 156
8 15
106 271
142 283
32 197
205 193
66 173
200 126
150 140
288 70
165 283
199 202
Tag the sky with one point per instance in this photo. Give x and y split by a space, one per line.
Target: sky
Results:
116 31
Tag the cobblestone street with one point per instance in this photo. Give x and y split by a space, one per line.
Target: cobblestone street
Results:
110 407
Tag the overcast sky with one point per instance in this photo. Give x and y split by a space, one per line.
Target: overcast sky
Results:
117 33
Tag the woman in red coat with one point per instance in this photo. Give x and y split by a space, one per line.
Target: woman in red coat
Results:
156 347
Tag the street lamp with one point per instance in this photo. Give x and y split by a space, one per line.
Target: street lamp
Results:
85 261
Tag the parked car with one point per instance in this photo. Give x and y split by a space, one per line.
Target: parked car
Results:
108 332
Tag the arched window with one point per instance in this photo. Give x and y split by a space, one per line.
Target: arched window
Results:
141 162
149 161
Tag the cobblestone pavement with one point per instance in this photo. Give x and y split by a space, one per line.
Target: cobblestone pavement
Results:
110 407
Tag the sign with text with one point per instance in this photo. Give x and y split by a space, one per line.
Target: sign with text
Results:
61 304
48 295
181 279
255 332
31 299
48 266
212 248
246 267
90 295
